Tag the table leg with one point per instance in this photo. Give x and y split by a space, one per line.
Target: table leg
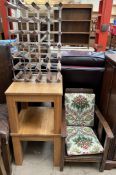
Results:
13 114
2 168
18 153
57 151
57 114
57 129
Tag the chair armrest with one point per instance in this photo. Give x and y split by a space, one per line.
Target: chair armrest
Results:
104 123
63 126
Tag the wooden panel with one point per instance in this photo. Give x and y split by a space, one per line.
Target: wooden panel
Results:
108 105
18 88
77 39
37 121
83 158
80 14
111 118
75 26
31 98
75 14
106 87
85 6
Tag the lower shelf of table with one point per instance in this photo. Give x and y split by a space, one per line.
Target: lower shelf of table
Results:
36 122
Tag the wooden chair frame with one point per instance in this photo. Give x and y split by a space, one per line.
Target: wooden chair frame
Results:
100 158
2 167
6 155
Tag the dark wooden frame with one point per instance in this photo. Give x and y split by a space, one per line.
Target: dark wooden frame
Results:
2 167
6 155
100 128
108 105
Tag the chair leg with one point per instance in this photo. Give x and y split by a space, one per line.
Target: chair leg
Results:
106 148
6 156
102 166
61 166
62 154
2 168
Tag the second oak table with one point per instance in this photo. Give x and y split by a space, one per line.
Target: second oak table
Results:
34 123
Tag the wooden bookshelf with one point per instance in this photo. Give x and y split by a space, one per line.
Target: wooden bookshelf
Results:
76 24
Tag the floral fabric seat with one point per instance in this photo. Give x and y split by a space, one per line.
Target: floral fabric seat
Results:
82 140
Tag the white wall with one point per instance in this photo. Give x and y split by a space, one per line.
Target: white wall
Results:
94 2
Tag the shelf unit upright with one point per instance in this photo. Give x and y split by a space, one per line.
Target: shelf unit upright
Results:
105 8
76 24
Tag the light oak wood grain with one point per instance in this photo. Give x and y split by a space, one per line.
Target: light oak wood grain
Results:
18 152
13 114
32 88
35 123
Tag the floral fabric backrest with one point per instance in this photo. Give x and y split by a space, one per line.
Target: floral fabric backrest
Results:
79 109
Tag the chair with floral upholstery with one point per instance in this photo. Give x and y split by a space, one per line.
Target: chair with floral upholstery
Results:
85 133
